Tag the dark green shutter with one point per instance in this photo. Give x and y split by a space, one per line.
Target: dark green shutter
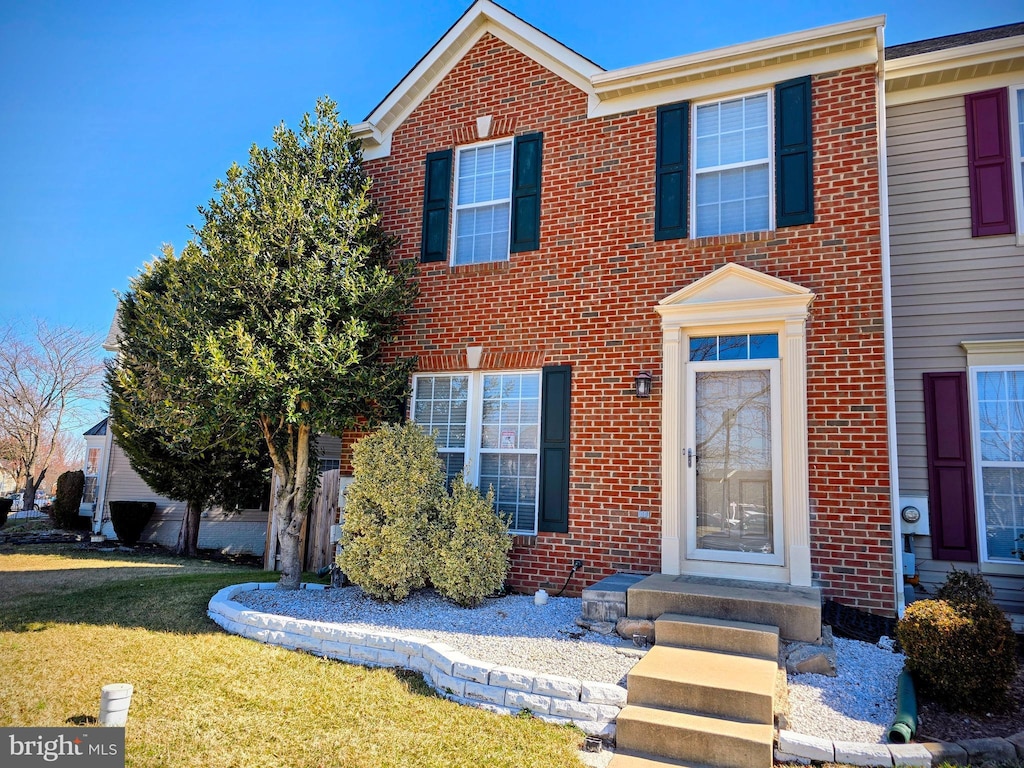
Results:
436 206
554 449
671 171
794 168
526 192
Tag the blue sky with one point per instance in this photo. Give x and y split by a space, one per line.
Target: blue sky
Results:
117 117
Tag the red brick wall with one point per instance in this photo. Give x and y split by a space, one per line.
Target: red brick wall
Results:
587 298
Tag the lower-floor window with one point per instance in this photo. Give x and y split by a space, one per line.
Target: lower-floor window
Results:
999 452
486 425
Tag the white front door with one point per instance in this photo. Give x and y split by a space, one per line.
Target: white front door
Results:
733 468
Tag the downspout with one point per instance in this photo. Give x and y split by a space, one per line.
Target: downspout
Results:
890 377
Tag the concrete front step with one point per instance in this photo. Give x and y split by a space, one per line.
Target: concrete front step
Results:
716 684
741 637
638 760
683 736
796 611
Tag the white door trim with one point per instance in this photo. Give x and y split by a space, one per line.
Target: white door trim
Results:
735 299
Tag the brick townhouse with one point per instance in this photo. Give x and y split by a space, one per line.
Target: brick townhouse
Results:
652 301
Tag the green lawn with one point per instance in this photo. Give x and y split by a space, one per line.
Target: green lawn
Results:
73 621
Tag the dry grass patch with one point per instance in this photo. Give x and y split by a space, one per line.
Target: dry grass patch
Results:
206 698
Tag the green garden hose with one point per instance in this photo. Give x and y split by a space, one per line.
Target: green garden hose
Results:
904 726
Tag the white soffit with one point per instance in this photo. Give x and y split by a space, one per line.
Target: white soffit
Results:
954 71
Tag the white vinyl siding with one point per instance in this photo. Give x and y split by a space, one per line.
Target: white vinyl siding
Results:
947 287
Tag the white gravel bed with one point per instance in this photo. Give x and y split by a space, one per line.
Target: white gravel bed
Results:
859 704
510 631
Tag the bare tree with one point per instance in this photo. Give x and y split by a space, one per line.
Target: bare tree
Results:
45 381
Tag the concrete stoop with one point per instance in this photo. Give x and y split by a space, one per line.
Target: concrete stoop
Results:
796 611
702 696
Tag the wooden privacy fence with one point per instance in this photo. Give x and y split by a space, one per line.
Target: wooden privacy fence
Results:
315 537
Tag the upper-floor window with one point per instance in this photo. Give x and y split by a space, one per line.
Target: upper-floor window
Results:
492 198
483 203
749 168
732 166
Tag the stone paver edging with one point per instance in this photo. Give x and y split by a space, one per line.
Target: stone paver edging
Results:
795 747
592 707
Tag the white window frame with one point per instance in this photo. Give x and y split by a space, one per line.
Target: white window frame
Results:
1016 115
768 93
456 208
474 429
992 565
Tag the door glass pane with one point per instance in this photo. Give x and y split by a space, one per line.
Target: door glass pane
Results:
734 461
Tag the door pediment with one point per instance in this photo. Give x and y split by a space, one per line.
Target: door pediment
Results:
732 293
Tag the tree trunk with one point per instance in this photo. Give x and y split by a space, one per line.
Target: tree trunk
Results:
29 497
188 534
290 509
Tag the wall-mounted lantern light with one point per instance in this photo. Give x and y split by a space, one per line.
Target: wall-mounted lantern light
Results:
643 384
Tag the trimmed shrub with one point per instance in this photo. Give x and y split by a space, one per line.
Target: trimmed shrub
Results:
469 546
129 519
64 510
961 651
5 510
389 508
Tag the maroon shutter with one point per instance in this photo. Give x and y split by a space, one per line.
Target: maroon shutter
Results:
989 164
950 476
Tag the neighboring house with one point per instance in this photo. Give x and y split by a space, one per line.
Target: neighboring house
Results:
955 129
110 477
709 226
97 449
115 480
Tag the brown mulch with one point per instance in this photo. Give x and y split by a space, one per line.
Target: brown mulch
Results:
935 723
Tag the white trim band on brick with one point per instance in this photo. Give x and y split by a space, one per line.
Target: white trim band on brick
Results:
592 707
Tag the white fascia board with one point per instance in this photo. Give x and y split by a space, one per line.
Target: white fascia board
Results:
738 67
483 17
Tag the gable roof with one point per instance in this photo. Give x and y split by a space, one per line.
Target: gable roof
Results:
736 67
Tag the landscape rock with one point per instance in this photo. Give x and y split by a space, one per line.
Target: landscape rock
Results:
601 627
811 659
627 627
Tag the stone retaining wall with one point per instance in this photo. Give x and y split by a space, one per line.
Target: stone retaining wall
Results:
591 706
